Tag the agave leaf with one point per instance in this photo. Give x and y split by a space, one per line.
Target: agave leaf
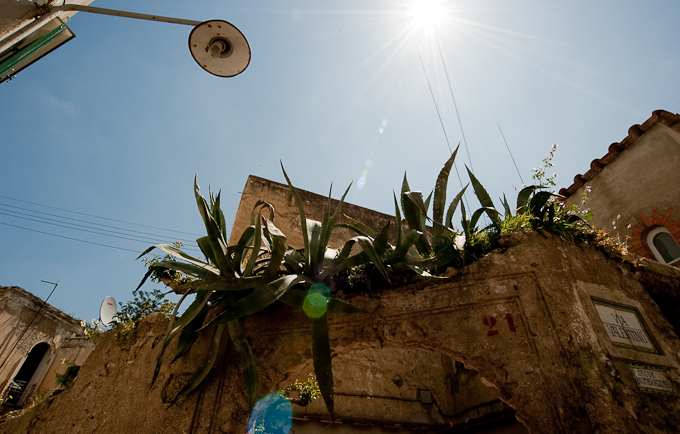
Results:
380 242
402 249
207 364
261 204
484 198
475 217
423 216
314 229
224 285
293 261
242 246
453 206
245 355
171 324
188 335
206 249
465 222
538 201
296 298
329 220
216 211
358 227
248 271
217 241
414 207
190 269
440 195
278 248
192 312
177 253
261 297
303 218
368 246
397 220
321 354
506 205
523 197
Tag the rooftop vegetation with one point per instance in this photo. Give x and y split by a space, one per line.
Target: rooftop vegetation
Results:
232 282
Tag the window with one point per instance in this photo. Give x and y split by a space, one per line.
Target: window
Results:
663 246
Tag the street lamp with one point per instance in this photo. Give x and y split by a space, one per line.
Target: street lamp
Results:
216 45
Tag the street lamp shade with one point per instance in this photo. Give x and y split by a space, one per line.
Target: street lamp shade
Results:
219 48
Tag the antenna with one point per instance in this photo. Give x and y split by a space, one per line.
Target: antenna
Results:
31 322
108 311
219 48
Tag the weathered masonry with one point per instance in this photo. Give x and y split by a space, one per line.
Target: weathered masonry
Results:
567 341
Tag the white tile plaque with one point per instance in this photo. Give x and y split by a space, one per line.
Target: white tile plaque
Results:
624 327
651 379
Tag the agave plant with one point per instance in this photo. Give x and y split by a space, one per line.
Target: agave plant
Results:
240 280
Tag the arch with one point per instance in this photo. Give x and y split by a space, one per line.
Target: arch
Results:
642 234
663 246
19 388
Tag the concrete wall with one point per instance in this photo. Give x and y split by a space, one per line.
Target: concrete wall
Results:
523 317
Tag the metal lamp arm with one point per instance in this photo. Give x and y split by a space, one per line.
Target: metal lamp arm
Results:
125 14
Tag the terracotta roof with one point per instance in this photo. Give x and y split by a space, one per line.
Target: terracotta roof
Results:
671 120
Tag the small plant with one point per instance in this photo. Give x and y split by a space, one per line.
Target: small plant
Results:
303 392
144 303
64 380
126 330
93 330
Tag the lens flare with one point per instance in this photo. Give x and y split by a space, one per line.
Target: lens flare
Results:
316 300
427 13
272 414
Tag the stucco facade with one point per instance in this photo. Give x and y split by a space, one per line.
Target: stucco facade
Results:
34 338
635 187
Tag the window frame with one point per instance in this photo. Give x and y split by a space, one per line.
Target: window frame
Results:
652 248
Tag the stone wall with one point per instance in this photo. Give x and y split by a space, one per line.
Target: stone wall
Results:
523 320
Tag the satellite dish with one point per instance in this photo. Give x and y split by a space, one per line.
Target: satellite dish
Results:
220 48
108 311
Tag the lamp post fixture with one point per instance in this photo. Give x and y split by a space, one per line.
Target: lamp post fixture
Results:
216 45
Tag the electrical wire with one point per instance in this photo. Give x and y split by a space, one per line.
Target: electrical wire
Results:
513 158
429 86
84 221
99 217
460 124
85 230
70 238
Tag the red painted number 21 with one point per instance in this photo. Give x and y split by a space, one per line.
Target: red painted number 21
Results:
491 323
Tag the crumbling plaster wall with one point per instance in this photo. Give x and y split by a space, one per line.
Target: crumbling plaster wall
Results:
545 351
643 176
25 321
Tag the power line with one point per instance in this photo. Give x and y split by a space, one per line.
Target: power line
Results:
441 122
513 158
460 124
70 238
148 240
83 221
99 217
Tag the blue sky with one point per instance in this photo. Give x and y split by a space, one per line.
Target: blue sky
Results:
116 122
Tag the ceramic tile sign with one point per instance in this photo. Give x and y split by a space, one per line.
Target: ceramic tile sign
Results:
624 327
651 379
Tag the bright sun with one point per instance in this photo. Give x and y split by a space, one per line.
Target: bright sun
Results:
427 13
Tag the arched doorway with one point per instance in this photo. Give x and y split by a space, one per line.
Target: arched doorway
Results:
20 382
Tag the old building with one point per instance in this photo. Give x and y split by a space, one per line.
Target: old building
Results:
635 188
34 339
